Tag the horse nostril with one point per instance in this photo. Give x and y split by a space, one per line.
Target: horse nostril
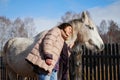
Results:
102 46
90 41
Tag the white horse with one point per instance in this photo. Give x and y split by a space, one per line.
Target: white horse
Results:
16 49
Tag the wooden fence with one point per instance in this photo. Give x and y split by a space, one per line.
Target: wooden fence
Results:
102 66
94 66
2 70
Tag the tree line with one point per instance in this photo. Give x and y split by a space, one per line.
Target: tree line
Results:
109 30
17 28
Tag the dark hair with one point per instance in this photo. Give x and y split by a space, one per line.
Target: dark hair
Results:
64 25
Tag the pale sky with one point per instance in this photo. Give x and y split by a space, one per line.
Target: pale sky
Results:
47 13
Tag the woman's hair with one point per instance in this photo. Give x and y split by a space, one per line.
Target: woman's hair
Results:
64 25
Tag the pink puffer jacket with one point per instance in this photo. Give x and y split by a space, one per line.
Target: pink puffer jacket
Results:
51 45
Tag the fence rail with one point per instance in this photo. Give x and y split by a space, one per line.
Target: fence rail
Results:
101 66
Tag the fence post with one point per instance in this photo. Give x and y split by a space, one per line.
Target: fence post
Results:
2 70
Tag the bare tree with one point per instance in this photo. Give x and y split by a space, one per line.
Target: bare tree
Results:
29 26
103 30
103 27
70 16
113 32
4 27
17 28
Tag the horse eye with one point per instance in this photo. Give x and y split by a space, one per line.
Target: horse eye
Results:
90 27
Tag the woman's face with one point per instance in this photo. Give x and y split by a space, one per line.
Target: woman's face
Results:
68 31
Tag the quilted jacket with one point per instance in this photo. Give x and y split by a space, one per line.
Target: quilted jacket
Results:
49 45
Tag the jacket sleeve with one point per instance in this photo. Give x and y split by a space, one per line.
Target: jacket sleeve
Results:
48 43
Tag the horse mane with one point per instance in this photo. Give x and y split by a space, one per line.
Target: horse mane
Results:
75 20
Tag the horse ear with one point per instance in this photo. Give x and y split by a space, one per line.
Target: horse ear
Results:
83 16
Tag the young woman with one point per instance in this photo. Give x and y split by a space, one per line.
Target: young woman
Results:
51 45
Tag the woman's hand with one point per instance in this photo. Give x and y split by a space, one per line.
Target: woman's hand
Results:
48 61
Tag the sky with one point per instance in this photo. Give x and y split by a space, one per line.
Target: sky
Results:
47 13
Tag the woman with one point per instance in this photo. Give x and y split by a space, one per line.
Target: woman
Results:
51 46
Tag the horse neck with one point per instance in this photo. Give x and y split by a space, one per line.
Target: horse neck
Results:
74 37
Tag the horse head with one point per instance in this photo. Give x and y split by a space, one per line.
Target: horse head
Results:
85 31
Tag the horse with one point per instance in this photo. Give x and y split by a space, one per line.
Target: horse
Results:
16 49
